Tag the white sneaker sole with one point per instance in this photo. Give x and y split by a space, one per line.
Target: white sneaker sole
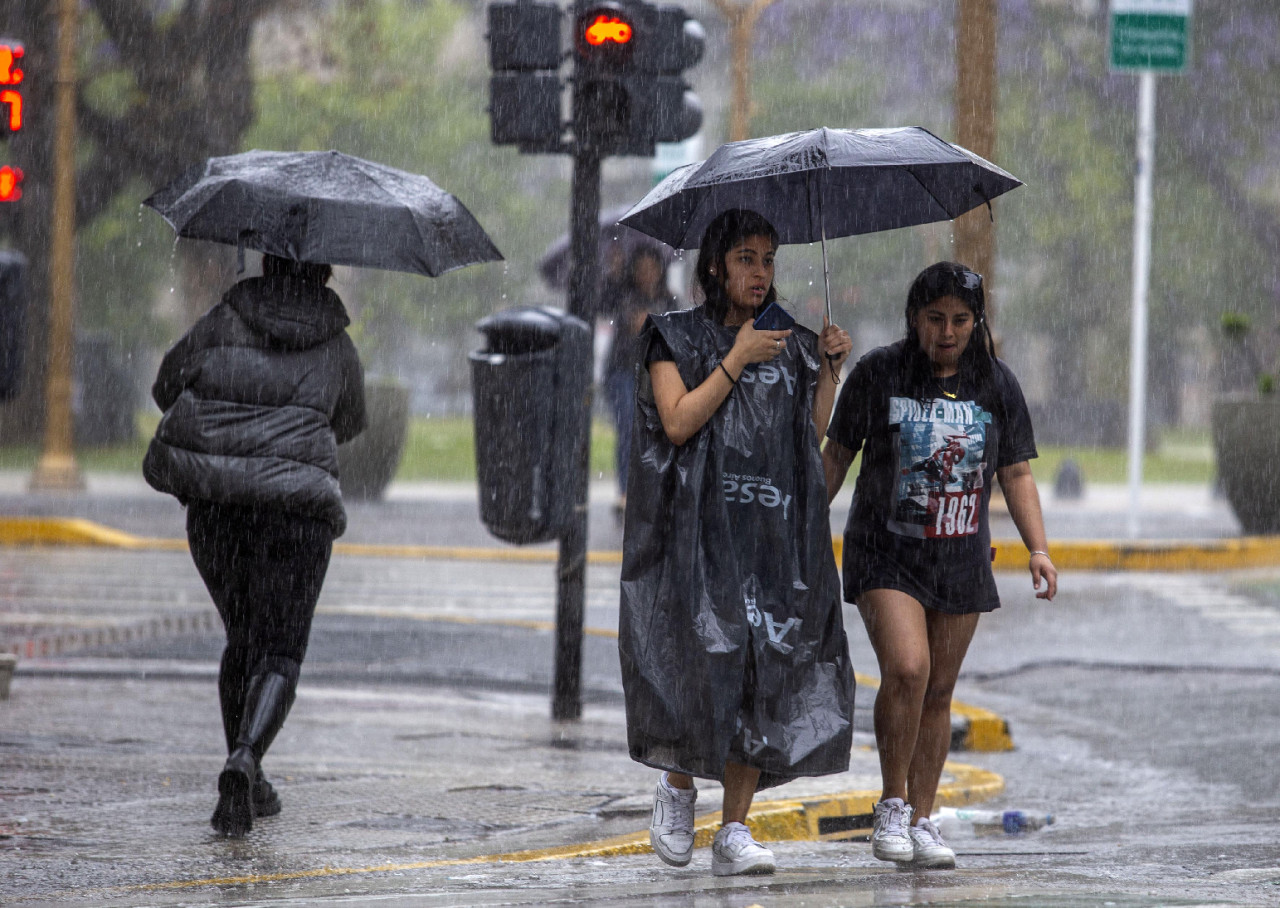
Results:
898 854
938 862
753 867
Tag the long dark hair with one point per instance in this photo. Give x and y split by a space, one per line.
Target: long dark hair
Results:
307 272
728 230
933 283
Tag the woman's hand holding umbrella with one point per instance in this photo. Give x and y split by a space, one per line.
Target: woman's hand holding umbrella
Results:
835 344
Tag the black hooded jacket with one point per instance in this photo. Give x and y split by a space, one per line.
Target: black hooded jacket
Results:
256 398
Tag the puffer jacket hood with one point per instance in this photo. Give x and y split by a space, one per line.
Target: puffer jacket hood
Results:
293 314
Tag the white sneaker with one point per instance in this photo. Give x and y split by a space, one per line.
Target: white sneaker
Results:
890 840
930 850
671 829
735 852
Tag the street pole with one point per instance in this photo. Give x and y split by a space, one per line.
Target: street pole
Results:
1141 278
975 113
57 469
571 567
742 18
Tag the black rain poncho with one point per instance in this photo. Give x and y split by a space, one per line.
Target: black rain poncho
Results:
731 635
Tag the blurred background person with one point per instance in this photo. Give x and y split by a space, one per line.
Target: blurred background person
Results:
643 291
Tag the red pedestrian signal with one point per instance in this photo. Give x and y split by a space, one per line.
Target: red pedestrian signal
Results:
10 184
605 29
604 33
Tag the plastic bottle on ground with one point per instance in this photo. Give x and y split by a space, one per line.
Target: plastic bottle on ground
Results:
988 821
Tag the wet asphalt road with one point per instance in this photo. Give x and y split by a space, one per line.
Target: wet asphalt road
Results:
1144 709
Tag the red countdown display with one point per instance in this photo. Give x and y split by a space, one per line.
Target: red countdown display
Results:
10 184
11 113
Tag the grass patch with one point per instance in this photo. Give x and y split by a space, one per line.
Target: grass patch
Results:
443 449
1183 456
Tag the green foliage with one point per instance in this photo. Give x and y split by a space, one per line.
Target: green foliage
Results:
405 83
1235 325
443 450
118 272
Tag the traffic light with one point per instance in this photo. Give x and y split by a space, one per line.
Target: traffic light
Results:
628 89
524 90
609 97
679 44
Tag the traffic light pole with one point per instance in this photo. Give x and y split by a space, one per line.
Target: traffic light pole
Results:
571 569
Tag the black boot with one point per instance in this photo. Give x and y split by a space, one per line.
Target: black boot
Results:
267 703
266 803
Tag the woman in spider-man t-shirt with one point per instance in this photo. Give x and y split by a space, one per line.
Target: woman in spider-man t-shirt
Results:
937 417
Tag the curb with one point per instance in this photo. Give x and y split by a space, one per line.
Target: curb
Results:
1082 555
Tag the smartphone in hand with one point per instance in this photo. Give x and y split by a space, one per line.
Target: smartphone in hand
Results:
773 318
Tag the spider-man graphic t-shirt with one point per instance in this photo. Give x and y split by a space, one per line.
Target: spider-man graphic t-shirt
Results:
919 518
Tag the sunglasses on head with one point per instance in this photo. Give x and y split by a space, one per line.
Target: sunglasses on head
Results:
969 280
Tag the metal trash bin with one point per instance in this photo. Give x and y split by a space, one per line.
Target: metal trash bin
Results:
530 385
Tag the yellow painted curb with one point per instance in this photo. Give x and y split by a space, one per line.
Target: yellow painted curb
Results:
844 815
1186 555
35 531
985 730
1191 555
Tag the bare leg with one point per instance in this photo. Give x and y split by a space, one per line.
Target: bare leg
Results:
739 789
949 637
680 780
899 635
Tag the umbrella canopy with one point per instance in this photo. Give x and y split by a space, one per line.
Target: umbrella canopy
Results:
325 206
823 183
615 240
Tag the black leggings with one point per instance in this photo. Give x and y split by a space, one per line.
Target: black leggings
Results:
264 569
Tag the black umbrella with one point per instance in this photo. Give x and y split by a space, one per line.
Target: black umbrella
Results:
325 206
615 240
823 183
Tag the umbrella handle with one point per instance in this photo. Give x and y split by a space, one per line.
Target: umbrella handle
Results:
826 284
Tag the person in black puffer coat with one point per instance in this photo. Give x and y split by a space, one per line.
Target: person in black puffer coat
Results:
257 396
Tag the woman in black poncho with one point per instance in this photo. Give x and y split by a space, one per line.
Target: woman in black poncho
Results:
734 658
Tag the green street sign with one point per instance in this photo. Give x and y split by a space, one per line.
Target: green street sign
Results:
1150 35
